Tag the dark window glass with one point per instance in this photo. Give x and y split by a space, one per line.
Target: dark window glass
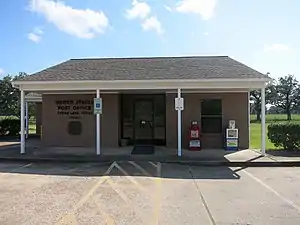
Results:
211 116
127 117
75 128
159 117
211 107
211 124
159 111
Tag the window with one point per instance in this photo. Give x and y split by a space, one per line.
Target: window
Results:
211 116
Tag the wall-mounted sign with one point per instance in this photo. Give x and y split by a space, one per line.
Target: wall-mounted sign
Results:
97 105
179 104
74 108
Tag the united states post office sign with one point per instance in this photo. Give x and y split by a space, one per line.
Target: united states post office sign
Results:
76 107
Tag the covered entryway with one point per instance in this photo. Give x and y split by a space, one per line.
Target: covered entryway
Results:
143 119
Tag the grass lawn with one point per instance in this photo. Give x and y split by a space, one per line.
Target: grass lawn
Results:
255 133
32 127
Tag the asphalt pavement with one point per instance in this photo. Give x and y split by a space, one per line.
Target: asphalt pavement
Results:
129 192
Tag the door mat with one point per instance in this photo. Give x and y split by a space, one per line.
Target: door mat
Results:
142 149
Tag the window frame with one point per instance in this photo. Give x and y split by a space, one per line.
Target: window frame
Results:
212 116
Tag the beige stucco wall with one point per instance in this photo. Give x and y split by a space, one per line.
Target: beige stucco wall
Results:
55 131
234 106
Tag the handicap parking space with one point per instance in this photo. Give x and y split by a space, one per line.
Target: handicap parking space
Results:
128 192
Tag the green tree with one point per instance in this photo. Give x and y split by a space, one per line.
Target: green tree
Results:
7 97
287 91
255 98
10 97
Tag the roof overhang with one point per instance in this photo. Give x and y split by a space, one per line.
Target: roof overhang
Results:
29 98
78 85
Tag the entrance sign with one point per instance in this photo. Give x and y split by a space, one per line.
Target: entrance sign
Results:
179 104
97 105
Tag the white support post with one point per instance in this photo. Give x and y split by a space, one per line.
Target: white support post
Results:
98 127
22 151
179 126
249 119
26 119
263 121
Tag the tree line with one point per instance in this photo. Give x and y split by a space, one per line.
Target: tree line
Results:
282 94
10 97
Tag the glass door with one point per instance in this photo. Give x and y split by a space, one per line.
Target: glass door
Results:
143 121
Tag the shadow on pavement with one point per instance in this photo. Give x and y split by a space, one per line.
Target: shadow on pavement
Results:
284 153
248 161
121 168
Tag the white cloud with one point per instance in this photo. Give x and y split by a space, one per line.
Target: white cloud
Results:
34 37
81 23
152 23
1 71
168 8
206 33
204 8
139 10
142 11
38 30
276 48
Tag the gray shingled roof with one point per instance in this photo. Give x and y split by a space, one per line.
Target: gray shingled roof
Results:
197 67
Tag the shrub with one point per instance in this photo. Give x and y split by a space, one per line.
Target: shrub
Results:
10 127
285 135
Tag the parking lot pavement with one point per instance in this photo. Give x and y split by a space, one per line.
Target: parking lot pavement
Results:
147 193
245 199
285 183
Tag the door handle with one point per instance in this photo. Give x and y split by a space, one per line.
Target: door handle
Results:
142 123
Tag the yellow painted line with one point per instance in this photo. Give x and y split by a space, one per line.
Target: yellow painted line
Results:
141 169
129 177
118 191
21 167
153 164
109 220
95 187
157 203
84 198
69 219
16 169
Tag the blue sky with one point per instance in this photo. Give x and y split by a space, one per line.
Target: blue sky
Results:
36 34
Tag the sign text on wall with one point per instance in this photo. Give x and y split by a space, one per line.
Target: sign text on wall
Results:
74 107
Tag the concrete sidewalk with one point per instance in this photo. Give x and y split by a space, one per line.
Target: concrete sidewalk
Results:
210 157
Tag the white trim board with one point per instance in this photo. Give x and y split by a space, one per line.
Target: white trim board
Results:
78 93
142 85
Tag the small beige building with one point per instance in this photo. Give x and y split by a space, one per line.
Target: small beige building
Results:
138 101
